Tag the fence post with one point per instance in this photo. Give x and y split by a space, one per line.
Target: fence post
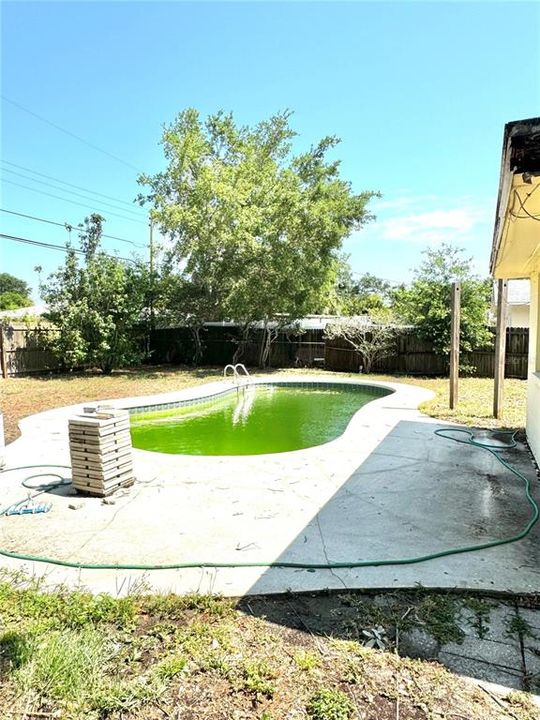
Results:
3 363
500 348
454 343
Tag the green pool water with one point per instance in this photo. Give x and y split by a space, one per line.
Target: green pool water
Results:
252 421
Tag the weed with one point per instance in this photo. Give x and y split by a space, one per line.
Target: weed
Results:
306 660
164 632
522 701
330 704
519 626
482 611
63 608
118 695
438 614
256 679
15 649
173 607
171 666
207 646
375 638
353 673
350 647
64 665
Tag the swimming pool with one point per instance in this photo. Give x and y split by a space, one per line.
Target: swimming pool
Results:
253 419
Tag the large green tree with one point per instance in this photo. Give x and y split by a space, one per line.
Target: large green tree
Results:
253 227
97 304
426 303
14 292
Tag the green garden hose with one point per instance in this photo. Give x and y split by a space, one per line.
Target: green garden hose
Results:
493 449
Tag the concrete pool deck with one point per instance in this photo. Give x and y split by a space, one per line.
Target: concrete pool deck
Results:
388 488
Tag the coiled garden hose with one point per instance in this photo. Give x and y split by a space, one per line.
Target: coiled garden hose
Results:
444 433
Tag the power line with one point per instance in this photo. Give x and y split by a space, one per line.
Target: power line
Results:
63 182
70 192
73 202
67 225
71 134
63 248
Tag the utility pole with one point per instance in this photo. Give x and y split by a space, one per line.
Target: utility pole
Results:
500 348
454 343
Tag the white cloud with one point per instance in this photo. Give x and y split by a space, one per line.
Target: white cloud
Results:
430 227
392 245
430 220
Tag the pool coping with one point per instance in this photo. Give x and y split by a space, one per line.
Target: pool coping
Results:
262 382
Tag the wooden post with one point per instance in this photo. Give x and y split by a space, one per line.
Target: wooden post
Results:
454 344
3 354
500 348
152 279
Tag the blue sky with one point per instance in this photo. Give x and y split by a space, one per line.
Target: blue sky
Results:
418 92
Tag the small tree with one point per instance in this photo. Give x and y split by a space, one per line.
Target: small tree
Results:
97 306
426 303
372 340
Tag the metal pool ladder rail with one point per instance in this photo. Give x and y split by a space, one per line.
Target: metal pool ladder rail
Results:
237 375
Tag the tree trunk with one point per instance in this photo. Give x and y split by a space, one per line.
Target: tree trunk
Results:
241 347
197 355
269 335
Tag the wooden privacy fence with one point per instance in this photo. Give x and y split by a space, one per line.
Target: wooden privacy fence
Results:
413 356
23 350
176 345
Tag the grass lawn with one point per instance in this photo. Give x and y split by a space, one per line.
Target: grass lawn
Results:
25 396
69 655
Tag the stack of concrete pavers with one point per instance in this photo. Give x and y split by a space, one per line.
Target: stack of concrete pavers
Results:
100 448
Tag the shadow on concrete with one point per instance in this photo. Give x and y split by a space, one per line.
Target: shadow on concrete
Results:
414 495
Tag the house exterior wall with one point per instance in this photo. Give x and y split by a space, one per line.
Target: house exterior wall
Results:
518 316
533 380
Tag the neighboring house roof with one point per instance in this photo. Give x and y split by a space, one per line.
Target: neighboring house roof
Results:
515 251
310 322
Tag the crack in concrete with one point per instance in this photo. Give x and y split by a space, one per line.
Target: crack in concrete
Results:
325 553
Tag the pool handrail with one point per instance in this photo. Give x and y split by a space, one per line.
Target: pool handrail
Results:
226 368
236 374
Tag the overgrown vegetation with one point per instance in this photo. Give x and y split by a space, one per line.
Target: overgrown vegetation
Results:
72 656
97 306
